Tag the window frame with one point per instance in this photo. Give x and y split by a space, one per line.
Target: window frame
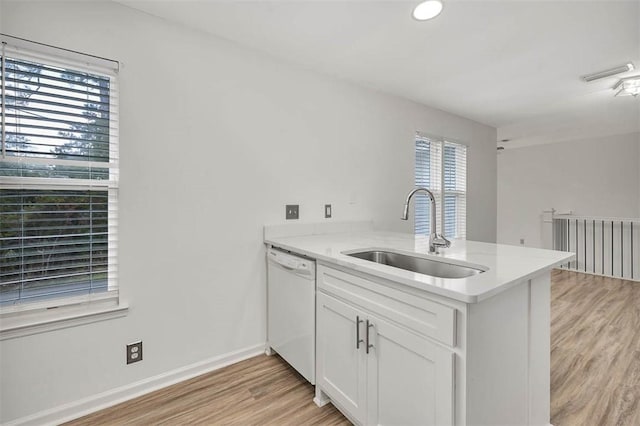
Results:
24 318
437 184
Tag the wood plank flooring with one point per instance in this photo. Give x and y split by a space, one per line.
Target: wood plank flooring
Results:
595 350
595 372
259 391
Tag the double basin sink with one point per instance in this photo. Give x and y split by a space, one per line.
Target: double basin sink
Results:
417 264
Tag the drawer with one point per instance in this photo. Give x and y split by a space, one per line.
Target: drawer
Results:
418 314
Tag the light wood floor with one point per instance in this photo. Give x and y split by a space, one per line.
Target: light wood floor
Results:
595 350
595 372
259 391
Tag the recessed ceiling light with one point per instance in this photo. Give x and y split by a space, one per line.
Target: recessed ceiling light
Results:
427 10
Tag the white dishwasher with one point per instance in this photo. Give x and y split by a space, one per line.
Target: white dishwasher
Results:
291 312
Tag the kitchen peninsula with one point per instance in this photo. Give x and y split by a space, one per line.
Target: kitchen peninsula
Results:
395 346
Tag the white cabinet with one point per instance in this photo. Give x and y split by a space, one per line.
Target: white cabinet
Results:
392 355
410 379
340 357
377 372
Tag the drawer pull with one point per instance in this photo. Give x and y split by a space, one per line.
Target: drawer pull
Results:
369 325
358 339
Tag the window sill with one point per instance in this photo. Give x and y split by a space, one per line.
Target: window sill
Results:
25 324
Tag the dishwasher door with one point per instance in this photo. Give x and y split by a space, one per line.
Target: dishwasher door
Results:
291 296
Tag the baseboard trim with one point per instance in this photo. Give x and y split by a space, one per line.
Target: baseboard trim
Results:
82 407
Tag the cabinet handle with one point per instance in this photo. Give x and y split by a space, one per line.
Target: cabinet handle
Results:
369 325
358 339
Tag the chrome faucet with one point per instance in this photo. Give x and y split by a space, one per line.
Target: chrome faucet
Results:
435 239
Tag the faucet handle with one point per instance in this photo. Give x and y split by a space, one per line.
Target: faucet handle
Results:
440 241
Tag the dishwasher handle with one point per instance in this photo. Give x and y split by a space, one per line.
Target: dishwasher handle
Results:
293 263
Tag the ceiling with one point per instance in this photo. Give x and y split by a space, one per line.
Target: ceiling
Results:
512 64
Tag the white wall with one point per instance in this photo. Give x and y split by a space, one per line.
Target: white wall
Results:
597 177
215 139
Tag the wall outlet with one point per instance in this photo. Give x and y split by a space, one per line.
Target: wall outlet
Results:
327 211
134 352
291 211
521 241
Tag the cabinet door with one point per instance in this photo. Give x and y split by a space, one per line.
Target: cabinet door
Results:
340 371
410 379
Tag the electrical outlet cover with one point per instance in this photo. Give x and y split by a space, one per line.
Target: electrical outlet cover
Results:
291 211
327 211
134 352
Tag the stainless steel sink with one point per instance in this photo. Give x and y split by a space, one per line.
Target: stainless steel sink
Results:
420 265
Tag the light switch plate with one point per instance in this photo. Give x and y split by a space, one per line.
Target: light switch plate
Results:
327 211
291 211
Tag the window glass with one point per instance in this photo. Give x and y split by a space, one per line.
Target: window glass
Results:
58 181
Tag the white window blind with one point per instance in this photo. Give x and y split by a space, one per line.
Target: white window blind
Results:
58 179
441 166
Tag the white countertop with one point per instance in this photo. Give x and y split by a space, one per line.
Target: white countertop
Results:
505 266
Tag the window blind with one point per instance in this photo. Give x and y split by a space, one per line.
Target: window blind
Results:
427 174
58 178
455 189
441 167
